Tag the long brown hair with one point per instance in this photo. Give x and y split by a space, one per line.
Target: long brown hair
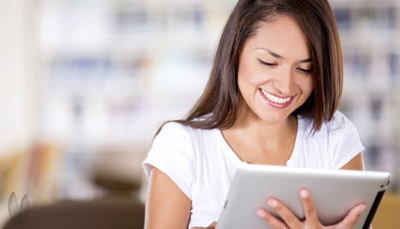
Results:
217 107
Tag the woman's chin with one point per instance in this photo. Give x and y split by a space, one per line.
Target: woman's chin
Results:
274 118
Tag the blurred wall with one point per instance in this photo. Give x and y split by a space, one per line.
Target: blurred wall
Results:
17 103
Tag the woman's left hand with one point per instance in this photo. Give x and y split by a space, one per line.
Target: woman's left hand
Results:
311 220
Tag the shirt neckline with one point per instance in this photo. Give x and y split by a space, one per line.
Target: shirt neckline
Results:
289 163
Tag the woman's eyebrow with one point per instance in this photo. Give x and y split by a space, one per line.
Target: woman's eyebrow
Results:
281 57
306 60
275 54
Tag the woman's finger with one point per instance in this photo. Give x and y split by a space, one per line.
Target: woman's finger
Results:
287 216
352 217
271 220
308 208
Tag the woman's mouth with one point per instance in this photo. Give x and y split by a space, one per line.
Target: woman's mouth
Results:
275 101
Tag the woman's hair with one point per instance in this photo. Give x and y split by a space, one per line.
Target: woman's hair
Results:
217 107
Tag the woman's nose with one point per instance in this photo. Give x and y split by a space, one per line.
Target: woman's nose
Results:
284 82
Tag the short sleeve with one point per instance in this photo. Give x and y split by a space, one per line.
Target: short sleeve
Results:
345 139
173 154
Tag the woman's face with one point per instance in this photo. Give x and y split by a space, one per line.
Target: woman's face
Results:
274 75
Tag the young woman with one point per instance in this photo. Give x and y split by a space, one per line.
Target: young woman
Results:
271 99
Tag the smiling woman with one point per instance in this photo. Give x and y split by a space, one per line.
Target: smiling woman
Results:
274 85
271 99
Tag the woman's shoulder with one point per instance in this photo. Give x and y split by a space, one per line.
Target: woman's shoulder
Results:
173 128
172 153
177 151
178 130
335 144
188 139
338 124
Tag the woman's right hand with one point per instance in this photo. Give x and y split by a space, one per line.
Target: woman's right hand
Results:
311 219
212 226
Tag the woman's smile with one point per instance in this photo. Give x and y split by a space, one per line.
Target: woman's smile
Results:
276 101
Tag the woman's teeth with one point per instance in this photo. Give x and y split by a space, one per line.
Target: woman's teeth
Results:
274 98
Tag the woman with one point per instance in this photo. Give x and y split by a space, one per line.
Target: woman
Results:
271 99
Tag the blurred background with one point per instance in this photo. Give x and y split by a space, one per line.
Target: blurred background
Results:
85 84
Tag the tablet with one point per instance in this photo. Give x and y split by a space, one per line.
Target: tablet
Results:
334 192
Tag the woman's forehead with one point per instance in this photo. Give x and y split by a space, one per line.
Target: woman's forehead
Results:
282 36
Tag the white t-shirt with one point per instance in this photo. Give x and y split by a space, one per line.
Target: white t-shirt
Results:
203 165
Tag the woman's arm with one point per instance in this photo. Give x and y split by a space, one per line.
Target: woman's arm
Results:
357 163
166 205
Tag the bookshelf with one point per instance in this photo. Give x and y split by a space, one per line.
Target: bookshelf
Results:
369 32
113 71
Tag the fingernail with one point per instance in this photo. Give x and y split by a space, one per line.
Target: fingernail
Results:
304 193
272 203
261 213
360 210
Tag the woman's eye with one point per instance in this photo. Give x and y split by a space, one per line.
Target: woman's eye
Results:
267 64
306 70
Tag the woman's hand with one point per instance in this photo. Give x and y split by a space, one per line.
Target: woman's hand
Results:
212 226
311 221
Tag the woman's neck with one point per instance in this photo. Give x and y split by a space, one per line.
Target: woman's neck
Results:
253 137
